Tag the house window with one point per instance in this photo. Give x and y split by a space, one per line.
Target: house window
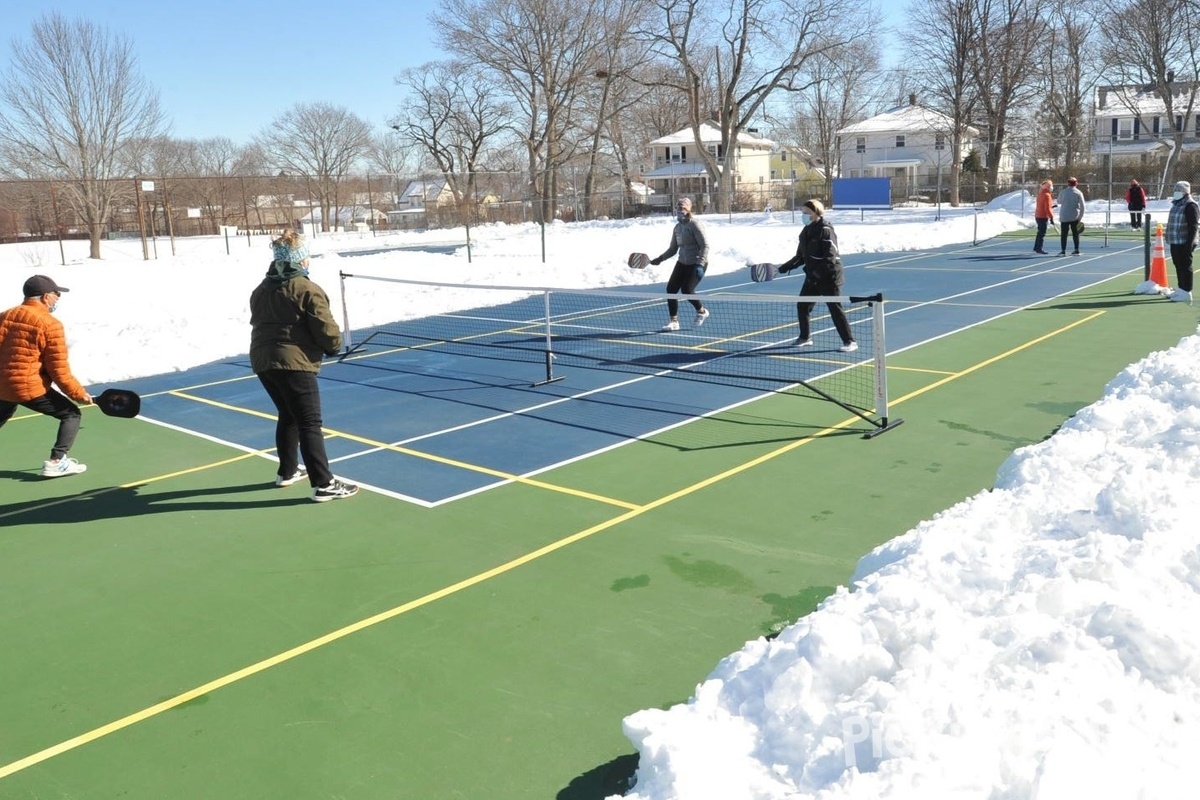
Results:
1179 123
939 141
675 153
712 150
899 140
1125 129
860 144
898 172
783 155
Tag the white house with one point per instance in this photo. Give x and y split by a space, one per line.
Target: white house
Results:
676 168
911 144
1131 123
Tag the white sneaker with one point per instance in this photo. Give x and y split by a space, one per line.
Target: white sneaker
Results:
63 466
300 474
336 490
702 317
802 341
673 325
1180 296
849 347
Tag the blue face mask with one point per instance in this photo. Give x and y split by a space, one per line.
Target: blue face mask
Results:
1178 196
805 219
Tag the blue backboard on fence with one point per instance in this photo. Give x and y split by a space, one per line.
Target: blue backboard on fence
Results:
862 193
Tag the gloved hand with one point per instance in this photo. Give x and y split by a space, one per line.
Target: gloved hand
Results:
786 267
700 271
656 261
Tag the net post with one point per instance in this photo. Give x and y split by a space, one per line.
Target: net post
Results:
346 336
879 337
549 351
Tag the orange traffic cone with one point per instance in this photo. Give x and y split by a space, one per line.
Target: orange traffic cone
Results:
1158 260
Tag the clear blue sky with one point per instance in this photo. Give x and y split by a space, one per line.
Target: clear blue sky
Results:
229 67
226 68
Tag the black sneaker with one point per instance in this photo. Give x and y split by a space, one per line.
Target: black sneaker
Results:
335 490
300 474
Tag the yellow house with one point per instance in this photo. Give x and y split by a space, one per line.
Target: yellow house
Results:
677 167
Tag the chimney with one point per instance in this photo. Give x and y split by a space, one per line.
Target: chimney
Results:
912 98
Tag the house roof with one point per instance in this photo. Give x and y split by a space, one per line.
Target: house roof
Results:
710 134
685 169
905 119
1127 101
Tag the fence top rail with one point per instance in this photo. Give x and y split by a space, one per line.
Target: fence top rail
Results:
623 294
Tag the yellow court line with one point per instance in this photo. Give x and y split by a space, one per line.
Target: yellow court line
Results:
994 359
260 666
494 473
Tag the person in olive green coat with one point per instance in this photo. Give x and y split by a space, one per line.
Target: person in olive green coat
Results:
291 329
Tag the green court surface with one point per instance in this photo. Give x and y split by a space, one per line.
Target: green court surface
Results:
176 627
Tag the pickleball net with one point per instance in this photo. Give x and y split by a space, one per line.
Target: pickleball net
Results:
747 340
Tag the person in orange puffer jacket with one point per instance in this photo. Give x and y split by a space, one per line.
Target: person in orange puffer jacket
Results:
33 355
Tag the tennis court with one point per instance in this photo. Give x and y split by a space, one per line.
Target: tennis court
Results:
531 563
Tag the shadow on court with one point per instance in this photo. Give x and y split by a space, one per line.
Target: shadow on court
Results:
615 777
136 501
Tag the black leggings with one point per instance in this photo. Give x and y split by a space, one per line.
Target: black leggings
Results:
684 279
1073 229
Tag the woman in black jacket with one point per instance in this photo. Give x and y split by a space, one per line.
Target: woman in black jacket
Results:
817 253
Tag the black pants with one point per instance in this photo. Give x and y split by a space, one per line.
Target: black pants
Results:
52 404
684 279
1181 255
1072 228
828 287
1135 218
1040 239
298 399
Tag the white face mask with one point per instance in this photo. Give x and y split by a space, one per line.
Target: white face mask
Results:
1178 195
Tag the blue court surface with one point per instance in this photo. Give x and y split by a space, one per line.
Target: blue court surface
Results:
428 425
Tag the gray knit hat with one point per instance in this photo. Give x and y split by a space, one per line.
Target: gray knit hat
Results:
1183 186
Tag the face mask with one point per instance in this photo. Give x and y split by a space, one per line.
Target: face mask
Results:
681 215
805 219
1177 196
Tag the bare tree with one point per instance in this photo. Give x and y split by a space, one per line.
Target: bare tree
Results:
542 53
749 52
75 100
1070 71
451 115
394 157
1154 48
942 36
320 143
1004 62
844 85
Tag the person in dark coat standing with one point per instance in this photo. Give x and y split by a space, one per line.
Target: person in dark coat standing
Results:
1183 229
1135 200
818 254
291 329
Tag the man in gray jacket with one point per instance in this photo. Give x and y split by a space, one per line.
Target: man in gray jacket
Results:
1070 214
688 241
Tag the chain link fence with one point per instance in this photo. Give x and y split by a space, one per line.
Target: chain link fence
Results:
32 210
